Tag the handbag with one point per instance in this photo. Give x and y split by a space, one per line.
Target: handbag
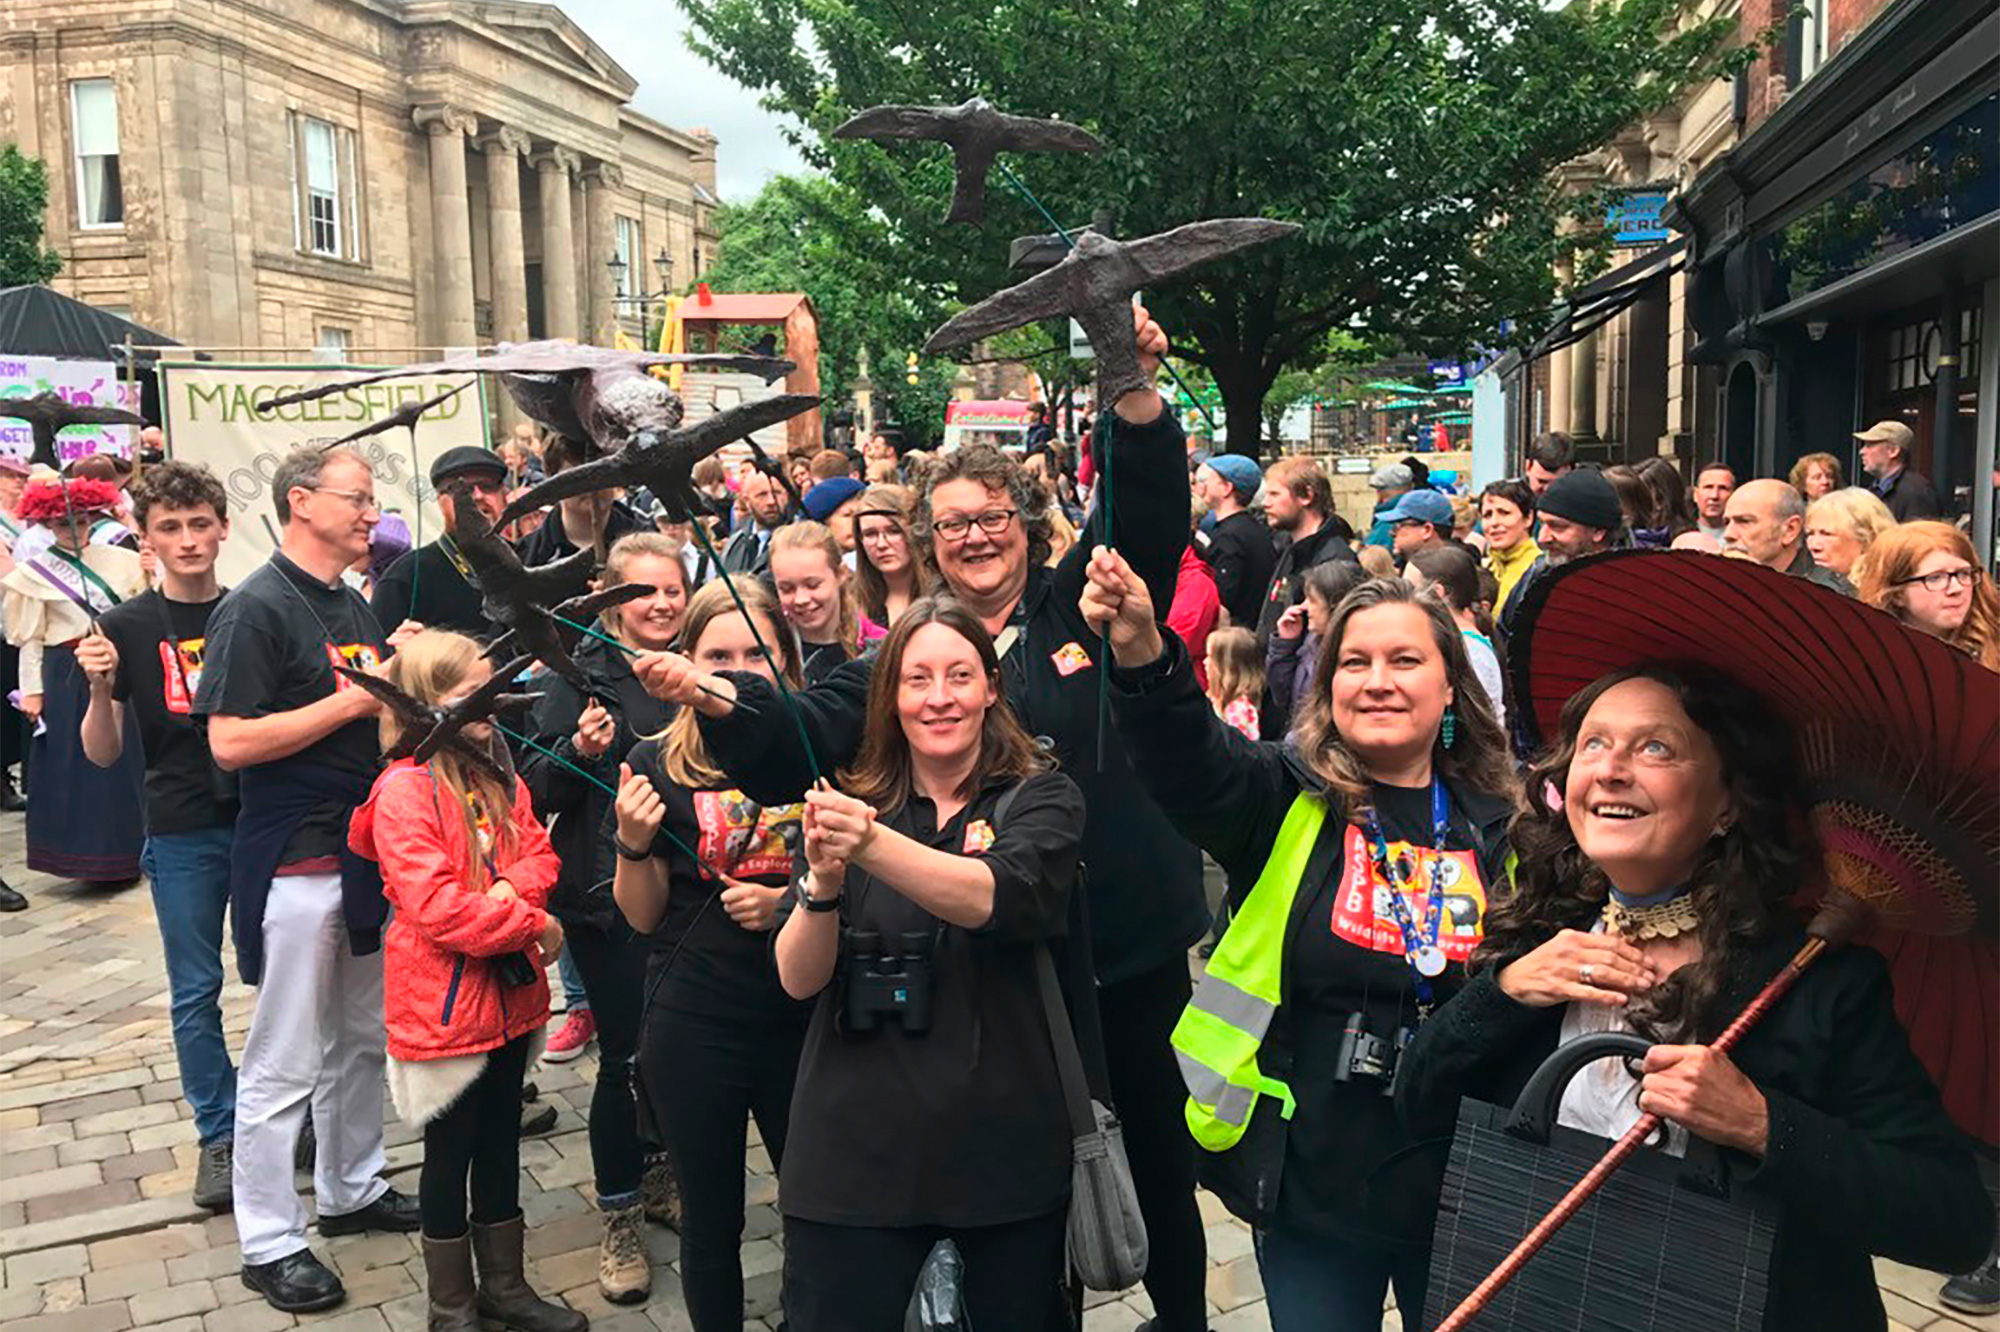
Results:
1106 1234
1665 1246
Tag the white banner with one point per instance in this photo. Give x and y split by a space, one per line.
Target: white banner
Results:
93 382
212 418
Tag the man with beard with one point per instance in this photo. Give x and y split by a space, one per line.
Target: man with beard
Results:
1580 517
304 911
749 548
433 584
1298 503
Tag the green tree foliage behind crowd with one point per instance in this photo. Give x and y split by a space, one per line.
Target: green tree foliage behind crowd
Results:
24 202
1416 141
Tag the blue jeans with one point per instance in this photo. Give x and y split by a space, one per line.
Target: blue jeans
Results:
1322 1285
575 1000
190 877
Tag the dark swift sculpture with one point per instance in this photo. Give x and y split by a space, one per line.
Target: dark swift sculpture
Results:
1094 285
518 598
662 461
977 134
47 413
429 729
593 395
407 416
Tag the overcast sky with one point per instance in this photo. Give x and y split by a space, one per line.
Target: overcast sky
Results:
679 87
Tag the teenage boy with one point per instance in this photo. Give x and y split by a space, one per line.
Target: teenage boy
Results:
146 658
305 912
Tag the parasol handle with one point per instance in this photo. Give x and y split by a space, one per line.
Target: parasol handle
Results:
1835 922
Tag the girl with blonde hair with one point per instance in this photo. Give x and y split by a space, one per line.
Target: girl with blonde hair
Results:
1236 678
817 594
1925 574
468 868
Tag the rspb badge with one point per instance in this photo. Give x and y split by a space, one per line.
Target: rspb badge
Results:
1069 659
978 837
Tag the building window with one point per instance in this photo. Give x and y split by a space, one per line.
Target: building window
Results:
325 194
625 244
332 345
100 198
1808 39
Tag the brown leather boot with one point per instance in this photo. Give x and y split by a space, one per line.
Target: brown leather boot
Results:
504 1295
448 1274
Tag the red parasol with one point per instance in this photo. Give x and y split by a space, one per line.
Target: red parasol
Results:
1899 740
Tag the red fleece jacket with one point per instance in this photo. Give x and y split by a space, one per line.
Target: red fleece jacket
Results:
443 993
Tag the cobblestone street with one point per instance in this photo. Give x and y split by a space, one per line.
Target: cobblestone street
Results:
97 1154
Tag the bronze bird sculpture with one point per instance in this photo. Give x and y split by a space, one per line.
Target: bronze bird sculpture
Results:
429 729
662 461
977 133
1094 285
48 413
526 602
594 395
407 416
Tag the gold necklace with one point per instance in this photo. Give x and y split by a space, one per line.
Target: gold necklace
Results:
1666 920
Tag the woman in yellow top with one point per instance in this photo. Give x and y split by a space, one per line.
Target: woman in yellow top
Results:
1507 517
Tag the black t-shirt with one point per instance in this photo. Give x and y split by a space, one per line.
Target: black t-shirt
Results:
444 595
723 970
183 785
963 1125
1341 1176
272 646
1242 555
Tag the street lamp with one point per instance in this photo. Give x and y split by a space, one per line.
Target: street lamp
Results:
663 263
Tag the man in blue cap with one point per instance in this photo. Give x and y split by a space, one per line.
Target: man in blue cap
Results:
1421 520
1239 547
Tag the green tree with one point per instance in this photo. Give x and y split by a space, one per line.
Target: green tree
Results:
815 235
1415 140
24 200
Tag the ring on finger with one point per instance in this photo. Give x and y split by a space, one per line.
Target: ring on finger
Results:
1585 972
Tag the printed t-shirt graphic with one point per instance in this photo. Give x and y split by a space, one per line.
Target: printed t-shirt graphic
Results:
744 839
182 679
1361 909
355 656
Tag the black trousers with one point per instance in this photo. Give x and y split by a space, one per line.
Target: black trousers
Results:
859 1278
612 963
1138 1016
478 1138
706 1077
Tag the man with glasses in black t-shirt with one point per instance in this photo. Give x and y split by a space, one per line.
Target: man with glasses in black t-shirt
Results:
147 656
305 910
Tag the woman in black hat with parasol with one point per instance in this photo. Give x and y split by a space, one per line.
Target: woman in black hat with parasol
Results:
1664 842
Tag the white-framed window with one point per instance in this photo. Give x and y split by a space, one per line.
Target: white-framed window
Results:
1812 37
100 196
332 344
326 213
625 244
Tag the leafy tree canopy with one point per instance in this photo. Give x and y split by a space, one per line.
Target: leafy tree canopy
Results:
1416 141
24 201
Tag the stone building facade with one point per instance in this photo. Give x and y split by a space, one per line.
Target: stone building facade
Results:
367 177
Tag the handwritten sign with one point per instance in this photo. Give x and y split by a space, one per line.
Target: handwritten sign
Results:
93 382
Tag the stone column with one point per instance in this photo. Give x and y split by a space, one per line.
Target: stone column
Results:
451 221
558 243
503 150
1583 387
599 179
1558 402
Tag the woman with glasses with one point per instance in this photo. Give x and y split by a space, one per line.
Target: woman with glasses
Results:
889 571
1925 574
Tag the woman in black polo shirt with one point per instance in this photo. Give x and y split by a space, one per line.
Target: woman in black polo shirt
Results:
911 1126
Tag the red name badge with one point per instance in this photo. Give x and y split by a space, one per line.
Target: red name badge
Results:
1070 658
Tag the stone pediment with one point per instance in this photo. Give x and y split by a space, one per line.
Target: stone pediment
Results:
548 32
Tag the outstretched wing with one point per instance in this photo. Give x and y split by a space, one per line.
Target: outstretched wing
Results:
1043 296
474 707
545 586
57 411
406 415
711 433
494 561
613 469
398 702
581 609
897 122
545 357
1171 253
1030 134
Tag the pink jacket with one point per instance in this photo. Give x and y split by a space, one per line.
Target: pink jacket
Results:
443 993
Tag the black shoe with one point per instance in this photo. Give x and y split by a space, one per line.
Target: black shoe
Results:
391 1211
296 1283
11 800
530 1093
11 900
1976 1292
213 1175
537 1119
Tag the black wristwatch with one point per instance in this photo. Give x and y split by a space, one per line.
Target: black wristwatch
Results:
627 853
807 902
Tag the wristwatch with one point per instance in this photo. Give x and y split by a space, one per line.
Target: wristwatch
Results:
627 853
807 902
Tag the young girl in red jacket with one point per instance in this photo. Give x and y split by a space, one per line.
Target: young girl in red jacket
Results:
467 867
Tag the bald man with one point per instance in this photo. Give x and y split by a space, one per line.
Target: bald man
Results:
1765 522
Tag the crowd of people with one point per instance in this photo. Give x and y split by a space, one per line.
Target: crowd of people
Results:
901 765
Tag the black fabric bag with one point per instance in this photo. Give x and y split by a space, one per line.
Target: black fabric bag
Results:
1664 1246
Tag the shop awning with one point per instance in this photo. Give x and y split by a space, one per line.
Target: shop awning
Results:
1609 296
39 321
1964 257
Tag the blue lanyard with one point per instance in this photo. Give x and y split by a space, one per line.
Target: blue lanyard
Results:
1421 953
